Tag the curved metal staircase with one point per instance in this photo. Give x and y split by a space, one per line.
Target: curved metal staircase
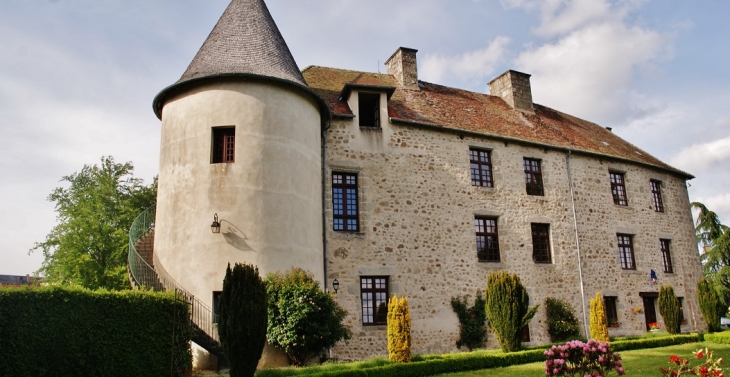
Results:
146 272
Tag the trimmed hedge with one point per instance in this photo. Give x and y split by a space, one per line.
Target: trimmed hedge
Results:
718 337
458 362
635 344
54 331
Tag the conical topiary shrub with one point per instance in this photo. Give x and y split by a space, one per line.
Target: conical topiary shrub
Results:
670 309
508 309
399 330
243 318
598 321
710 304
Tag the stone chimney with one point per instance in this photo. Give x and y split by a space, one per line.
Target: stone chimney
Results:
514 88
402 65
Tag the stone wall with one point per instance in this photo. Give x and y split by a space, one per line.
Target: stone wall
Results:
417 209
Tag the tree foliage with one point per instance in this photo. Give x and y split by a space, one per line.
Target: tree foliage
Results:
88 246
472 320
243 317
508 309
561 321
598 320
670 309
715 239
399 330
303 320
710 304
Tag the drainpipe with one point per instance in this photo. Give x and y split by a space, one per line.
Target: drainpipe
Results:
324 216
577 245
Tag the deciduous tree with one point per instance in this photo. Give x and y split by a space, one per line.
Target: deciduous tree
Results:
89 244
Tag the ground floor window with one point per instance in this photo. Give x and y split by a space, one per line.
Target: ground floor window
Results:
216 303
611 312
374 297
526 333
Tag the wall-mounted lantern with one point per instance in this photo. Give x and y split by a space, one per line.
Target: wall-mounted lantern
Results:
216 226
335 285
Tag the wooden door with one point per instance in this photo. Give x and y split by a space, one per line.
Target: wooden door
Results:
649 311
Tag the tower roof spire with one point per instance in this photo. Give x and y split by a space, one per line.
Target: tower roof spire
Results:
245 40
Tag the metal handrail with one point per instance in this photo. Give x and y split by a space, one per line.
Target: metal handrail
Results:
158 279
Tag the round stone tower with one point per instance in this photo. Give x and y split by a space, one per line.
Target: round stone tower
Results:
241 138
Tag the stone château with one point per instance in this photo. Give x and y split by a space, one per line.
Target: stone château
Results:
393 185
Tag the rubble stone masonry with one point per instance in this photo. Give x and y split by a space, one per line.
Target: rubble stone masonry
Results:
417 208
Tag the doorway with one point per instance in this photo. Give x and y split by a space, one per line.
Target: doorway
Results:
649 307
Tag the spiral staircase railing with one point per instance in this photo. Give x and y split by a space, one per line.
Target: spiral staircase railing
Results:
156 278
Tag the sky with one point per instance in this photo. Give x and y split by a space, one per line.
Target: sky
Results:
77 77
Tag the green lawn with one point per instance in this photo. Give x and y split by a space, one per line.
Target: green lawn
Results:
645 362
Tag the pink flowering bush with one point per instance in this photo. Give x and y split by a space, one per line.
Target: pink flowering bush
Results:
576 358
681 367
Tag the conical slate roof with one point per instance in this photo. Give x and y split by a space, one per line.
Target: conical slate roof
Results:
245 40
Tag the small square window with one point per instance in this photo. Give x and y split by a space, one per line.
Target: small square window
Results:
626 251
533 177
487 242
374 299
481 168
224 145
656 195
618 189
541 243
369 109
666 256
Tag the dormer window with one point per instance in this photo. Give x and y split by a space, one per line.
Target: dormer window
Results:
369 110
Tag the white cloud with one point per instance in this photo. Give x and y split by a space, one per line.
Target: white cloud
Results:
563 16
718 203
467 66
589 72
698 158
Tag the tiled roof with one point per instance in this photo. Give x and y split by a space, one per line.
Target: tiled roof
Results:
245 40
480 113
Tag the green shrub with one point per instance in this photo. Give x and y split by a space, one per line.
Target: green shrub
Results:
710 304
66 331
598 321
243 316
635 344
508 309
303 320
399 330
561 321
718 337
670 309
472 321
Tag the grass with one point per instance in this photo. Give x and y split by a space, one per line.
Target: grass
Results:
637 362
644 362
